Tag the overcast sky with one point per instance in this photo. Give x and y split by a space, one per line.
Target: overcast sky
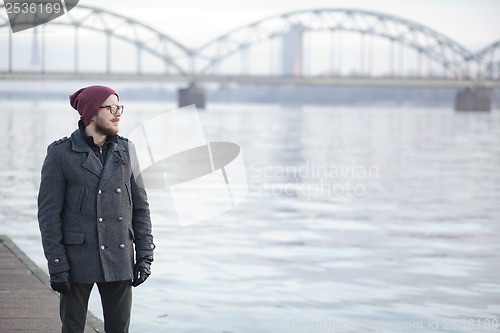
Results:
472 23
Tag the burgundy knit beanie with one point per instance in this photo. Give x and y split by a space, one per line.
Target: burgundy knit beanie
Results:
87 101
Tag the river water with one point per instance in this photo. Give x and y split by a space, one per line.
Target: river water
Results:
366 219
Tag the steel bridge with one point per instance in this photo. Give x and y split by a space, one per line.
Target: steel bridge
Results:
388 51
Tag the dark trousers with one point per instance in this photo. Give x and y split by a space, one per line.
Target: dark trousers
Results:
116 300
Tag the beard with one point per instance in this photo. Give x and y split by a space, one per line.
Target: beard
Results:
102 127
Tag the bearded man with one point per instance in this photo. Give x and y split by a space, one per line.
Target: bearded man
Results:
94 214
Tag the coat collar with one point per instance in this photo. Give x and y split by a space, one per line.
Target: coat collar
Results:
78 142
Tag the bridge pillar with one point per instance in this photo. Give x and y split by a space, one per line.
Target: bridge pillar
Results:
473 99
191 95
292 51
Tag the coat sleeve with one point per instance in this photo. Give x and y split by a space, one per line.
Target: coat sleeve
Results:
141 217
51 198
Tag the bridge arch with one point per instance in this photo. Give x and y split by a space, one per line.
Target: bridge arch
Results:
143 37
449 54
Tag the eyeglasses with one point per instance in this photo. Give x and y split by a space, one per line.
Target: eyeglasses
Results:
113 109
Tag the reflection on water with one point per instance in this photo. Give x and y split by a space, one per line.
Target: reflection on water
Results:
358 220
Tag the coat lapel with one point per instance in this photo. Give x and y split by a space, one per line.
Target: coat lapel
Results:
114 159
92 162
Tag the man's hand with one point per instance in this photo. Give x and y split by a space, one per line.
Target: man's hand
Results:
60 282
142 270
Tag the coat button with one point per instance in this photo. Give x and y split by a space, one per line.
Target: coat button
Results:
122 246
102 247
99 192
56 261
100 219
151 246
118 190
120 219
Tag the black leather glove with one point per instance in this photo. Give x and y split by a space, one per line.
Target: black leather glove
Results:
142 270
60 282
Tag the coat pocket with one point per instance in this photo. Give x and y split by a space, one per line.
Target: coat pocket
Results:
73 238
83 200
129 195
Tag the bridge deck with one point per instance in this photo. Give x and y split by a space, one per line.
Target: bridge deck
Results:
257 79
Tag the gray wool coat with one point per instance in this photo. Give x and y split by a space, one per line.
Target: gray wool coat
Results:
93 218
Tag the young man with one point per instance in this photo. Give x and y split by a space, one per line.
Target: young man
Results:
92 210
